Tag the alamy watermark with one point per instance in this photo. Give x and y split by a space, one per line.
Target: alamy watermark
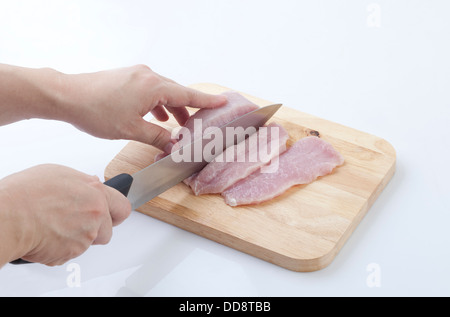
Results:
374 18
251 145
373 279
74 277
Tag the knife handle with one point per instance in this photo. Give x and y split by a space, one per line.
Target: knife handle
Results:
19 261
121 182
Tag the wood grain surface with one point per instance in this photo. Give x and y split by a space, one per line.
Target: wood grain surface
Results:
301 230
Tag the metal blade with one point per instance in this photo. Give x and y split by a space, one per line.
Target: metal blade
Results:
167 172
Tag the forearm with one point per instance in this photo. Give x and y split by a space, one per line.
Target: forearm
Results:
27 93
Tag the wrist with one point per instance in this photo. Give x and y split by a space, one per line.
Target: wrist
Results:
27 93
71 96
53 94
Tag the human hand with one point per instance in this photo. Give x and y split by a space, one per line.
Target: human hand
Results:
111 104
58 213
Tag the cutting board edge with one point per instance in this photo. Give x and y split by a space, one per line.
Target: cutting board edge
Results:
365 209
292 263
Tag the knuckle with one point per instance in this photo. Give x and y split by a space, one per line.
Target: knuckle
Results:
96 212
95 180
142 76
142 68
91 235
145 74
96 207
151 80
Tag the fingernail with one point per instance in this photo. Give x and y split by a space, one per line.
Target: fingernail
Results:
221 99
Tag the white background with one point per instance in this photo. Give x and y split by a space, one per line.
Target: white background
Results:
383 69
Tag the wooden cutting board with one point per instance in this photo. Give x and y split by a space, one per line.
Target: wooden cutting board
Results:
301 230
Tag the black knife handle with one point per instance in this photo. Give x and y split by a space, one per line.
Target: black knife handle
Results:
20 261
121 182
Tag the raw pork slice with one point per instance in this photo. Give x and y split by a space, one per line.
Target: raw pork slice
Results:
239 161
236 106
302 163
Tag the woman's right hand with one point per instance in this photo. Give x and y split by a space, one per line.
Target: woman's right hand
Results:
50 214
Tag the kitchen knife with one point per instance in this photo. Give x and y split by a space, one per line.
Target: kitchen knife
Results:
161 175
158 177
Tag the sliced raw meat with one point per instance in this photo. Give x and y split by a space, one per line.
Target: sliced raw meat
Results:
236 106
302 163
239 161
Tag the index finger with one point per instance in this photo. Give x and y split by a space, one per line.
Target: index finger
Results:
180 96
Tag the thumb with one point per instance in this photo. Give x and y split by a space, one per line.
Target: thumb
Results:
155 135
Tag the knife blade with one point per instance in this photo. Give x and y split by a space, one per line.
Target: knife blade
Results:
158 177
